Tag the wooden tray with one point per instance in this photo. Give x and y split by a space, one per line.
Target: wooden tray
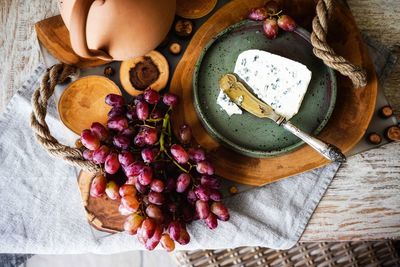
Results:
348 123
53 35
354 106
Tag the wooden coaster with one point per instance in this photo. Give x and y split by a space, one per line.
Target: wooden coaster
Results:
82 102
194 9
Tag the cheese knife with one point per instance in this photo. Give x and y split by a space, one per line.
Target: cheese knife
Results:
241 96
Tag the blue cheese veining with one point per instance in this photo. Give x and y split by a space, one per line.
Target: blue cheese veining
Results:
278 81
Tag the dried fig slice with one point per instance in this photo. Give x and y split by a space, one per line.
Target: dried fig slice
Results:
150 70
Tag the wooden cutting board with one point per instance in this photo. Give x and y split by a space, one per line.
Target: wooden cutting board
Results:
347 125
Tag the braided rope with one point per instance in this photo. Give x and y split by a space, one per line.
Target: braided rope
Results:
323 51
56 74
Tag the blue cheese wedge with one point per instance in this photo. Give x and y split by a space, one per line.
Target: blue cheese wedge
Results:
278 81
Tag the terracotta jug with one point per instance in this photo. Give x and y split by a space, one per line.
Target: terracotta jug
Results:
116 29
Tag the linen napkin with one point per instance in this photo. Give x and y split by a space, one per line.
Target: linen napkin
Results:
42 211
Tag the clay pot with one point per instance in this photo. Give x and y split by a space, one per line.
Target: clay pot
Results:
116 29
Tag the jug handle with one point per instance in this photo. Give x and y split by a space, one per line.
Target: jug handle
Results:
78 21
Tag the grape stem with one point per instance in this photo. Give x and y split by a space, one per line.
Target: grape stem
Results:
166 124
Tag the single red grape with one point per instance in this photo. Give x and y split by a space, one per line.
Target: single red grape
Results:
100 154
132 223
121 141
286 23
196 154
184 237
156 198
130 202
98 186
116 112
129 132
150 135
210 182
117 123
151 96
145 176
114 100
220 211
112 190
167 243
126 158
148 227
174 230
170 99
154 212
157 185
142 110
99 130
127 190
258 14
202 209
185 134
134 168
152 242
211 221
149 154
215 195
111 165
191 197
187 213
90 140
88 154
179 154
271 29
205 167
142 189
202 193
170 185
183 182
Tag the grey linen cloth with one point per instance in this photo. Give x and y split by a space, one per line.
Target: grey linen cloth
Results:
42 212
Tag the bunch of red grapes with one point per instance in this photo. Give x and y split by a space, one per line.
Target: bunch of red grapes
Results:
272 19
162 182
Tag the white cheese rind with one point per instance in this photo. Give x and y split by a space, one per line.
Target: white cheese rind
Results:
278 81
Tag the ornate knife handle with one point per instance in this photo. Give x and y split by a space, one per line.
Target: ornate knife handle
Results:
329 151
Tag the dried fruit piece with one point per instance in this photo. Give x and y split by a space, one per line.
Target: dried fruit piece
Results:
175 48
393 133
386 112
183 27
151 70
374 138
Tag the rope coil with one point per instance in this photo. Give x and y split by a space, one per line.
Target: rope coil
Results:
323 51
59 73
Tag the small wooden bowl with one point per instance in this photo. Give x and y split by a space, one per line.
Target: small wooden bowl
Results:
82 102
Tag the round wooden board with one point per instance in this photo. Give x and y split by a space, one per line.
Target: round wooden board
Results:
102 212
194 9
82 102
348 123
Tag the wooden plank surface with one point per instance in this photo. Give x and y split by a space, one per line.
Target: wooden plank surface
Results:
363 201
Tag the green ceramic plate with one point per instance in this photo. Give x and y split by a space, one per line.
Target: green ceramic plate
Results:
246 133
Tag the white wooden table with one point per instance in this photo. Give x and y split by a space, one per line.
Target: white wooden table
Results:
363 201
